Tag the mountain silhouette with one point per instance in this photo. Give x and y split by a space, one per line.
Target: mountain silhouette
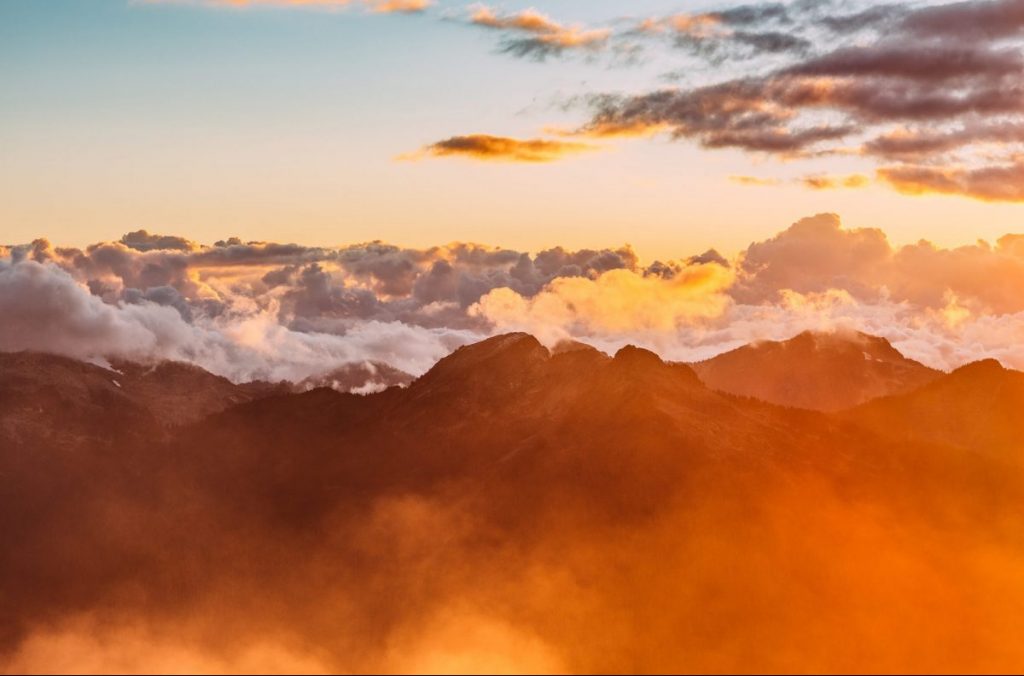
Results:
816 370
561 508
976 407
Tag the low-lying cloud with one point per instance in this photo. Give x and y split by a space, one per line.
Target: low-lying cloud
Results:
272 311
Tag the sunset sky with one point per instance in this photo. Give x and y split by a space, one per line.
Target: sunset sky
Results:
325 123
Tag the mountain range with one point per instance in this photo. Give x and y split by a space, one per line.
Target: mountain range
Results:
817 504
821 371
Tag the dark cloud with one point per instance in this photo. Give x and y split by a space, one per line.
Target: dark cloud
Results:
932 85
141 240
160 295
539 36
315 293
753 15
981 21
878 16
772 42
728 115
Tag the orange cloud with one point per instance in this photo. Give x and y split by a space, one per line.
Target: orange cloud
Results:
500 149
546 35
633 130
753 180
617 302
1000 183
399 6
821 182
695 25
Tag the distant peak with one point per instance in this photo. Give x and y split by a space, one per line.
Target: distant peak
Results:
506 351
839 335
565 346
980 367
631 354
505 342
838 340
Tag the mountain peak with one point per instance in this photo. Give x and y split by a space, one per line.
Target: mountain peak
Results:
503 346
637 356
819 370
981 366
567 346
504 359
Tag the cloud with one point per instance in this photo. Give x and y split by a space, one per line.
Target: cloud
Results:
817 254
983 20
825 182
999 183
266 310
617 302
263 310
501 149
141 240
48 311
934 91
544 37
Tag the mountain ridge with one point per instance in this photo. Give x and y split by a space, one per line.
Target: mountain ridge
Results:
615 505
827 371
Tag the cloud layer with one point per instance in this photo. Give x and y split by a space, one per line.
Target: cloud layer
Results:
261 310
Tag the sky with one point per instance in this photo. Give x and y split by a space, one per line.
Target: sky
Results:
271 189
323 124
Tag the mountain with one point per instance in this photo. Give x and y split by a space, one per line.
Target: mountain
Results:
53 395
516 509
820 371
976 407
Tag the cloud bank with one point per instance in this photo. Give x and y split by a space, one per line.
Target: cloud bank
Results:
272 311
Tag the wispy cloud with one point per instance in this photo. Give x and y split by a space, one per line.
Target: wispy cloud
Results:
501 149
754 180
934 91
826 182
535 35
